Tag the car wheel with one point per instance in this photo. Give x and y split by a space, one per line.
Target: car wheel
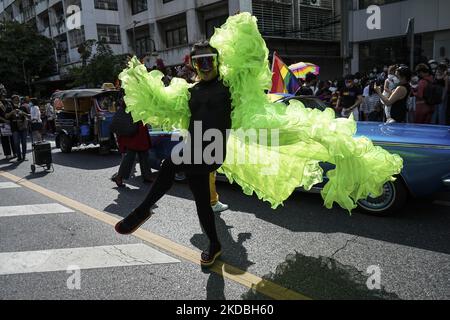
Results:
65 143
393 199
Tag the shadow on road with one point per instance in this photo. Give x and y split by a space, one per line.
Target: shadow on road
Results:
86 159
321 278
420 224
235 254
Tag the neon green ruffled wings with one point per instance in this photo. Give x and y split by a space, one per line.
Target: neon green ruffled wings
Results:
149 101
306 137
299 139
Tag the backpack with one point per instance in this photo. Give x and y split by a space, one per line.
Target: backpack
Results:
432 94
122 124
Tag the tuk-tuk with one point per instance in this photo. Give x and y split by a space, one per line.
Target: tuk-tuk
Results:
83 117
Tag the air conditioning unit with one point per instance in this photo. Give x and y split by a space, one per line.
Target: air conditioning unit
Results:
314 3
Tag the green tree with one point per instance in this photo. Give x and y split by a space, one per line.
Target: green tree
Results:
103 66
25 54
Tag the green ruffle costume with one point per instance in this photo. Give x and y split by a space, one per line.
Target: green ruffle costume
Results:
305 137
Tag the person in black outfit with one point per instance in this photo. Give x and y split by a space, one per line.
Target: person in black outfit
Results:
210 106
399 98
350 97
308 89
19 118
6 140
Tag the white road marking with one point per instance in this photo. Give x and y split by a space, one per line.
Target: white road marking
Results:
35 209
8 185
83 258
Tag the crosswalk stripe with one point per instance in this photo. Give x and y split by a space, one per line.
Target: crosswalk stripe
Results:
245 278
8 185
35 209
82 258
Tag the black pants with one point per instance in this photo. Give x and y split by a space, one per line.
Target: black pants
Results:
8 145
127 164
199 184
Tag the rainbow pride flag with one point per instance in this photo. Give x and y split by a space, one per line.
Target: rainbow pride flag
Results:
283 79
301 69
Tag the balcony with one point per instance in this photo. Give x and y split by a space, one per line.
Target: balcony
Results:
59 28
28 13
41 6
45 32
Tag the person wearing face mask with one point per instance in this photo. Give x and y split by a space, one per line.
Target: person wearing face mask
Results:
433 66
398 100
424 111
350 98
5 126
412 99
389 86
441 79
19 118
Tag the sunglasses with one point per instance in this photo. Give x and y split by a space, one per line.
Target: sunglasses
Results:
205 62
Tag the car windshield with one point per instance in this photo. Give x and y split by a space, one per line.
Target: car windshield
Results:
108 101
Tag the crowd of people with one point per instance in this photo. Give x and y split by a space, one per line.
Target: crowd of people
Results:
397 94
21 117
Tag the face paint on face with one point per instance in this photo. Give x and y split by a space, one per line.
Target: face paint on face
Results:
206 66
205 62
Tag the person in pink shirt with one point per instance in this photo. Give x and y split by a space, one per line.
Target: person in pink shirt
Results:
424 112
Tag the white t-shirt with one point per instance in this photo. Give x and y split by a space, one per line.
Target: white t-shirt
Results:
35 114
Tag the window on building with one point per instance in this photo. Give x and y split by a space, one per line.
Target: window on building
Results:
138 6
364 4
109 33
73 3
106 5
176 37
210 24
76 37
143 46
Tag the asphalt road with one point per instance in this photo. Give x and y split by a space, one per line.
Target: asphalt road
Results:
319 253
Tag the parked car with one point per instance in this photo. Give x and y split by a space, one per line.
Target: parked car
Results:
425 150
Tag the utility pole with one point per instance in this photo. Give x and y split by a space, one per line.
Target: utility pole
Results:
411 39
135 23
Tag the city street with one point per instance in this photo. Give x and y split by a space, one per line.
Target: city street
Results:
52 221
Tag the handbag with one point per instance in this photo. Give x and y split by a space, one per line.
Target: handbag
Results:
122 124
5 130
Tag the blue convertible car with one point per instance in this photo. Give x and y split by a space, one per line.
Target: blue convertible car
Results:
425 150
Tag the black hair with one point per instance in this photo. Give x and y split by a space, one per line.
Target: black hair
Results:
442 67
405 72
372 87
203 45
422 67
349 77
310 77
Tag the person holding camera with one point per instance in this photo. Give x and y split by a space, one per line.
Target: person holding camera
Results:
19 118
398 100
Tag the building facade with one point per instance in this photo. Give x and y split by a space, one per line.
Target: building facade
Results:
369 48
299 30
